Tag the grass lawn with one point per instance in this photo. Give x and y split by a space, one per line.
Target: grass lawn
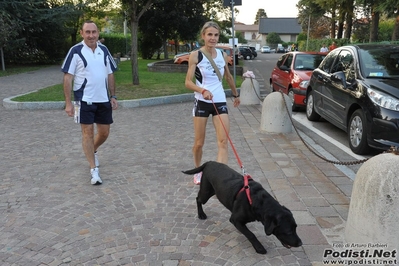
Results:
14 69
152 84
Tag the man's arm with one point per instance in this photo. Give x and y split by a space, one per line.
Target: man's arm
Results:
68 79
112 90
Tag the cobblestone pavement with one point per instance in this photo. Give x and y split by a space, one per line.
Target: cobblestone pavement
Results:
145 211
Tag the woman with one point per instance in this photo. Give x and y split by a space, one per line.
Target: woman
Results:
209 93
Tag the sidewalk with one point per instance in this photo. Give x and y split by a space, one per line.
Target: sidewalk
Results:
145 212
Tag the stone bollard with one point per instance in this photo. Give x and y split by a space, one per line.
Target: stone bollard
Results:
250 92
374 208
275 118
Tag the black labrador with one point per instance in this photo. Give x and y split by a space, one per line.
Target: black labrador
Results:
220 180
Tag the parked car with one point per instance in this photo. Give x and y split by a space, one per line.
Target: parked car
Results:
246 53
265 49
291 73
252 48
183 58
356 88
280 49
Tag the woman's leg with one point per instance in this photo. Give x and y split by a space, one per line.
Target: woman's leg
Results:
221 136
199 138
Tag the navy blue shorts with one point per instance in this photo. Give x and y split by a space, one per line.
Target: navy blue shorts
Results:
99 113
204 109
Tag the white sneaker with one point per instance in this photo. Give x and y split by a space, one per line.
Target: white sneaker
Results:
95 177
96 161
197 178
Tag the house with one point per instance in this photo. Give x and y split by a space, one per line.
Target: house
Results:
287 28
250 33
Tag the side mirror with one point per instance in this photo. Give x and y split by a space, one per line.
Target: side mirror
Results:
285 68
338 79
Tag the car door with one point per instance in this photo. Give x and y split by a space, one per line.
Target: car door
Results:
282 79
337 95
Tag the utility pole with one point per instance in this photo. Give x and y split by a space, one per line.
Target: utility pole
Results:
232 3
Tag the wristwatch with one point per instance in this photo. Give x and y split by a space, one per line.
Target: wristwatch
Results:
113 96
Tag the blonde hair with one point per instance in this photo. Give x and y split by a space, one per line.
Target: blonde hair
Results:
208 25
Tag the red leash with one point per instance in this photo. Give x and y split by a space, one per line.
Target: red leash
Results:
246 176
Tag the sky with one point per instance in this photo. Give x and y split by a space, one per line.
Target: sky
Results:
273 9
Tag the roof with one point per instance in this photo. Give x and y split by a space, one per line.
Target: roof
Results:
246 28
279 26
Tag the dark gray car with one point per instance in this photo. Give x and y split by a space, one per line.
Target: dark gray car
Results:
356 88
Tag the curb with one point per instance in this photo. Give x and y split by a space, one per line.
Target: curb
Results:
9 104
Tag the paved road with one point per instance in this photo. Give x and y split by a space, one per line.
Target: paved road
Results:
145 211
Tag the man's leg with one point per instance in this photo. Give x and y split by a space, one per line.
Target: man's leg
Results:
88 143
101 136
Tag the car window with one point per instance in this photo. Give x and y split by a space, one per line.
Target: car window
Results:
288 61
344 60
281 60
379 62
328 61
307 61
227 51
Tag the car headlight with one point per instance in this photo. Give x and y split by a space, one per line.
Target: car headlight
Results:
304 84
383 99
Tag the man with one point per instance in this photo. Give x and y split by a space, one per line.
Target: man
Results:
88 69
324 49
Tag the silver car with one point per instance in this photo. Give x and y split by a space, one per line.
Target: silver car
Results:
265 49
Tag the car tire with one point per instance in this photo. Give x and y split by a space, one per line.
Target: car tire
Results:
357 133
291 96
310 111
248 57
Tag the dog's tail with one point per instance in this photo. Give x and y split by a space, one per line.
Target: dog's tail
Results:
195 170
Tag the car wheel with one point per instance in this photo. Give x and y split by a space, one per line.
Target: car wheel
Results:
291 96
248 57
357 135
310 112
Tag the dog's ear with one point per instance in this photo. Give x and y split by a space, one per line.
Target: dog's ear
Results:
269 223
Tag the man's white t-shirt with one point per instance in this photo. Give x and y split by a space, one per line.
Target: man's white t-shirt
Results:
90 70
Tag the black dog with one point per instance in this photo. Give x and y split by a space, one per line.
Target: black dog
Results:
220 180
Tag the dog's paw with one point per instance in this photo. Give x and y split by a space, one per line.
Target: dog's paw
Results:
260 250
202 216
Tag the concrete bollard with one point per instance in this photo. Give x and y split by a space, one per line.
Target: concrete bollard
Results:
275 118
250 92
373 212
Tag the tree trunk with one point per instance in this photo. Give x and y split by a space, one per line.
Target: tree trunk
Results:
341 25
333 27
395 33
375 17
134 51
349 20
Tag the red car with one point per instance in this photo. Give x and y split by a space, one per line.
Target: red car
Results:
292 73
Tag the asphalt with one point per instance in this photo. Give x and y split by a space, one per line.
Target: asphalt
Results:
145 211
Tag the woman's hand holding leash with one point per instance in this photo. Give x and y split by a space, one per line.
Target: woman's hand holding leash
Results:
207 94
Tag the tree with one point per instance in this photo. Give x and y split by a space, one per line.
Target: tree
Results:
273 38
391 8
6 33
135 10
172 20
260 14
37 29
